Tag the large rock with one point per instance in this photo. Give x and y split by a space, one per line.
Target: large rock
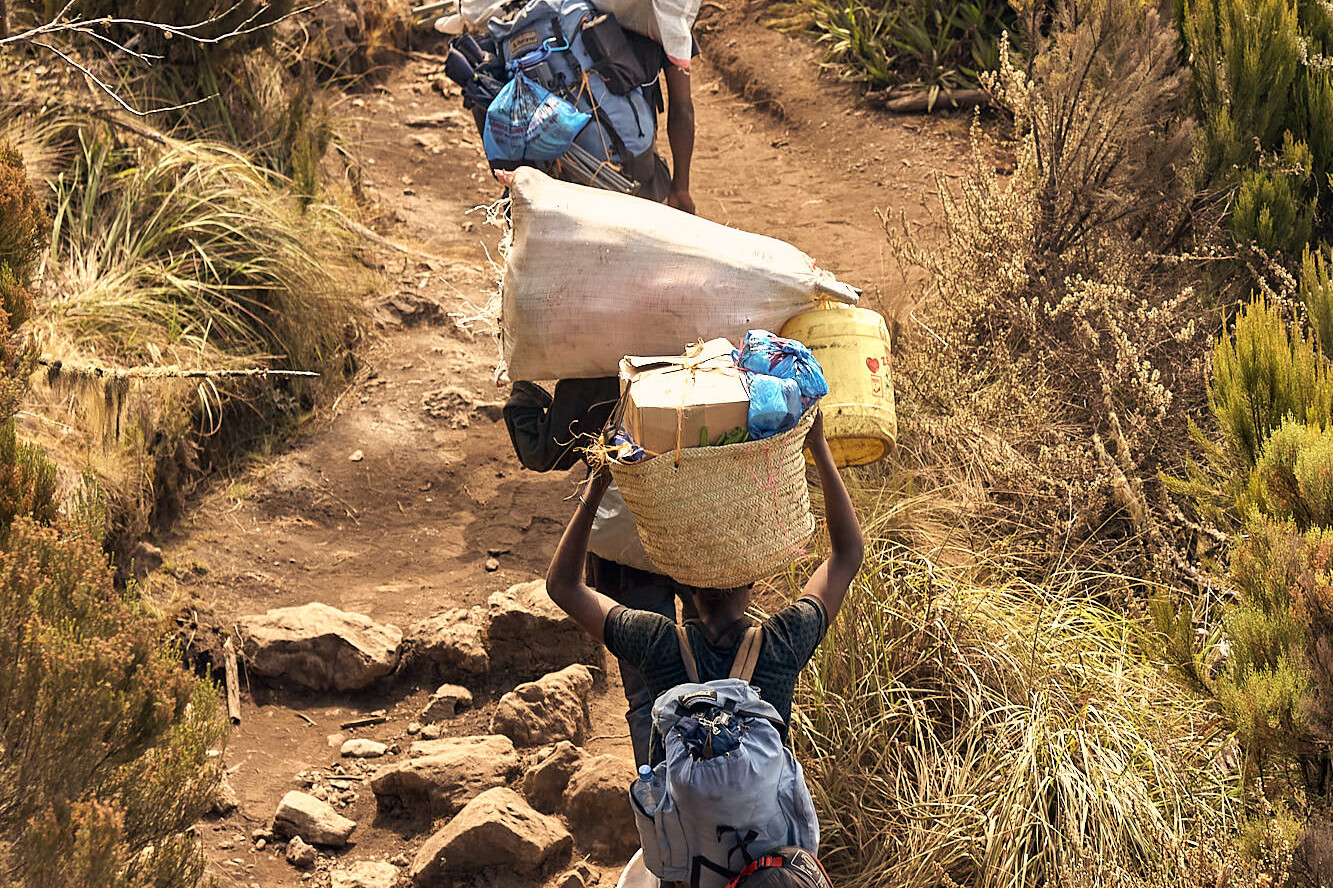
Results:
301 814
451 644
544 783
530 636
496 829
364 874
597 806
455 770
447 701
551 709
320 647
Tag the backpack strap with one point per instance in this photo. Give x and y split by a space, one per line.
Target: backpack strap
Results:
747 655
687 655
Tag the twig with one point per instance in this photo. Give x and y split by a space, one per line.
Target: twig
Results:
233 682
307 719
916 102
171 372
111 93
364 722
375 237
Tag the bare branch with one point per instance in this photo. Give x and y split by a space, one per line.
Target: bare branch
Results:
106 87
186 32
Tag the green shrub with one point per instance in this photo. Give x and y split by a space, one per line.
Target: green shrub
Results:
1316 290
1272 212
909 43
1265 98
1293 478
1265 372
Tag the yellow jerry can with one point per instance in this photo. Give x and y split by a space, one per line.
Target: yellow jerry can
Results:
852 347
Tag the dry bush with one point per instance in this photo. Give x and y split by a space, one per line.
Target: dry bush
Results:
1063 351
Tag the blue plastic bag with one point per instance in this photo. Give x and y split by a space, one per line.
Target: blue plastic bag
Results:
762 352
775 405
526 121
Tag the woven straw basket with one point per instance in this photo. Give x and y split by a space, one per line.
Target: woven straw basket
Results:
725 516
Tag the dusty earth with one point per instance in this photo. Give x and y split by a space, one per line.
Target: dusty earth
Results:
407 527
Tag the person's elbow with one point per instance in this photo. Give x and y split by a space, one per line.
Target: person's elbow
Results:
560 587
850 552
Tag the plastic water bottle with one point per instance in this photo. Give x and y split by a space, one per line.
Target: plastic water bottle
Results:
647 790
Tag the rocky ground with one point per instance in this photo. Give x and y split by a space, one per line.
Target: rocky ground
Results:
414 708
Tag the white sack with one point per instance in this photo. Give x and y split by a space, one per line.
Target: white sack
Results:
592 276
669 22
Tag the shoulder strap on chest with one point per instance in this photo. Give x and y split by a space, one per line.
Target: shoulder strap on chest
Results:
687 655
747 655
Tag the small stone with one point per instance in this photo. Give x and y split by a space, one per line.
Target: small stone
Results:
320 647
553 708
300 854
446 774
431 732
361 747
364 874
544 783
447 701
400 860
336 741
261 844
226 845
492 564
357 456
598 786
451 644
225 799
413 728
410 192
301 814
495 829
529 636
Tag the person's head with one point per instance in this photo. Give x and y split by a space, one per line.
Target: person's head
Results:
710 601
785 867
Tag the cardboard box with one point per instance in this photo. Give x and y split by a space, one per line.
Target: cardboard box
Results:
681 395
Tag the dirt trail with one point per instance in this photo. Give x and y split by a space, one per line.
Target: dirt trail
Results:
393 505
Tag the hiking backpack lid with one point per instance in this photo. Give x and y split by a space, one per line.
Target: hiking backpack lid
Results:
544 39
729 789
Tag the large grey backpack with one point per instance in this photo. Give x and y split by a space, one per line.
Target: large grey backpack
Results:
730 791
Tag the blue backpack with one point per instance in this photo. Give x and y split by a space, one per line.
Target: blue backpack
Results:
729 791
544 41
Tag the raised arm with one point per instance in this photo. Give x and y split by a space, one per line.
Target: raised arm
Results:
680 133
832 578
564 578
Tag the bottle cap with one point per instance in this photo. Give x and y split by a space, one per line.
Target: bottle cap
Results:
645 772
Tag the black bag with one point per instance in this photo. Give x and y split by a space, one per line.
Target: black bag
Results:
613 57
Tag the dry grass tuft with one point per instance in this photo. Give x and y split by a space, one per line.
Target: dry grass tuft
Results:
1002 733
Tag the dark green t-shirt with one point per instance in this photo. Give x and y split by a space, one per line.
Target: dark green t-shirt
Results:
648 642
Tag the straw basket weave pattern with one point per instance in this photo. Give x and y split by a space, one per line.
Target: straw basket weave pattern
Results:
725 516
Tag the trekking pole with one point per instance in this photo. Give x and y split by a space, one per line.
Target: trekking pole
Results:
598 172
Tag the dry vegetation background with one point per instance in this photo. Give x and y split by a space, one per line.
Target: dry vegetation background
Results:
1093 641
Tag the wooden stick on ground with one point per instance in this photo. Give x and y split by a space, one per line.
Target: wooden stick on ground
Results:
364 722
233 682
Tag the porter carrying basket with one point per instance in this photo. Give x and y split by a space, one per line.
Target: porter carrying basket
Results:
722 516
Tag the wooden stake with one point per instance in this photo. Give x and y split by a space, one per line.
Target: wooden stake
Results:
364 722
233 682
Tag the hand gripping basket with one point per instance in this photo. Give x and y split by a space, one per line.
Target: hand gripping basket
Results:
722 516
